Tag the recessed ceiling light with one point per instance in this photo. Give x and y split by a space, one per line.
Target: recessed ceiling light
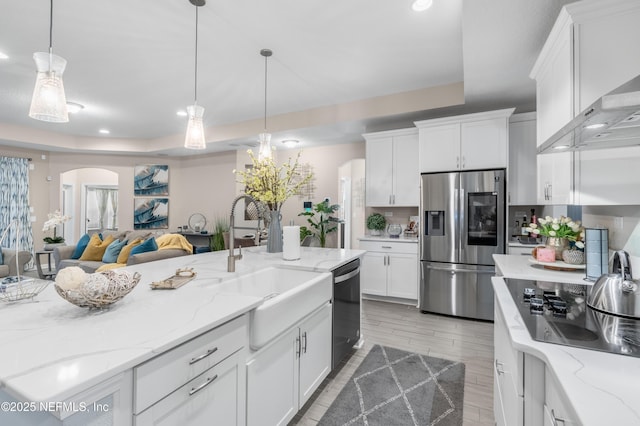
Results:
74 107
104 131
595 126
181 113
290 143
4 55
561 147
421 5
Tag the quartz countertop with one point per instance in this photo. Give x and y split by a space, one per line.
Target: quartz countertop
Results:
602 388
403 238
518 266
52 350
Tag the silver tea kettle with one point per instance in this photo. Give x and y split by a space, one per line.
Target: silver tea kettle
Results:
616 293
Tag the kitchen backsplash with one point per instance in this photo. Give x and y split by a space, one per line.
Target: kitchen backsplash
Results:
400 215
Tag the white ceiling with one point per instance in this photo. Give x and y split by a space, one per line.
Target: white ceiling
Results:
131 63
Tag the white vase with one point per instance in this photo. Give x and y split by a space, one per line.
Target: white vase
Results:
51 246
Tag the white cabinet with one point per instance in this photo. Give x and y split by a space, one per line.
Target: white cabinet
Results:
284 374
555 179
466 142
392 176
200 381
390 269
522 160
557 410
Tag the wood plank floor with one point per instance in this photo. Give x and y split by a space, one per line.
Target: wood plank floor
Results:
405 327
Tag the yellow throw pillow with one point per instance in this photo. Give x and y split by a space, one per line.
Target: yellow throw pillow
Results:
96 248
110 266
126 250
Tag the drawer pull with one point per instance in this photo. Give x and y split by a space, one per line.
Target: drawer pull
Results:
304 344
203 356
387 247
499 367
203 385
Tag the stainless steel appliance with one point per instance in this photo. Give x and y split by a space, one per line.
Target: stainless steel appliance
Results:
346 310
463 216
559 313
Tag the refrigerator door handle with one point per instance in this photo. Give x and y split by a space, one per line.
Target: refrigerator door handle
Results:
473 271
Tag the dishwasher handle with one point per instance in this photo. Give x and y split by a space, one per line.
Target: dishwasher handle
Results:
476 271
345 277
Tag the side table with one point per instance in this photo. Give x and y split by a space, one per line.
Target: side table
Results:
50 272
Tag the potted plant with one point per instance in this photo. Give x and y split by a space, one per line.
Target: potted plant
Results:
216 240
54 219
560 233
376 223
323 225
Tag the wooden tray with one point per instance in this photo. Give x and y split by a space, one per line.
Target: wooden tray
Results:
181 277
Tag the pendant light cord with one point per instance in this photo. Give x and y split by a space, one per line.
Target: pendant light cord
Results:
51 28
195 86
265 92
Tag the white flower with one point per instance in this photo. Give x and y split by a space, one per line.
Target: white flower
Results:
575 227
533 225
552 233
579 244
571 224
55 218
542 221
536 232
555 220
528 229
555 227
548 218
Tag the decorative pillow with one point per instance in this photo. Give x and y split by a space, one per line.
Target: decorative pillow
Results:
148 245
112 252
126 250
96 248
80 246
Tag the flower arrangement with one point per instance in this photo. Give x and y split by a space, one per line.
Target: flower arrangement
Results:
376 222
562 227
56 218
272 184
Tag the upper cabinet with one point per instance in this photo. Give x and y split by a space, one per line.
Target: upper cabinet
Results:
465 142
522 159
586 56
392 175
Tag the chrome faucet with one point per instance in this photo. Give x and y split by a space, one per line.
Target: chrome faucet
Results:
231 259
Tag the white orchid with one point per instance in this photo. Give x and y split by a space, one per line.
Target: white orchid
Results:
56 218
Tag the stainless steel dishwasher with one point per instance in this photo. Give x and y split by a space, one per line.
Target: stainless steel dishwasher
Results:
346 310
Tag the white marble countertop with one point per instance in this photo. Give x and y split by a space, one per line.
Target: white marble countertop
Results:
401 239
602 388
52 350
518 266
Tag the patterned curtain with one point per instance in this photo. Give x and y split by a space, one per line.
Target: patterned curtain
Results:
114 207
14 202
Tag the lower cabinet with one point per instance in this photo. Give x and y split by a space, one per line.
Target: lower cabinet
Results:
508 389
557 411
390 269
284 374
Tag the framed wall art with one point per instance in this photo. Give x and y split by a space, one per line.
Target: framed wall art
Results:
151 180
151 213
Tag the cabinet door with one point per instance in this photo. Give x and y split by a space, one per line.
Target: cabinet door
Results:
522 163
374 274
402 276
406 174
272 382
483 144
557 410
379 171
315 356
509 403
439 148
609 177
555 178
211 398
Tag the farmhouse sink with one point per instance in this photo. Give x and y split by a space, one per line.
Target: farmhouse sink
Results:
289 295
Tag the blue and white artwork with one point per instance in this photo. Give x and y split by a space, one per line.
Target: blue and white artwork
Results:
151 179
151 213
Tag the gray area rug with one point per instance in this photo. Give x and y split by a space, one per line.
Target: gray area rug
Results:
394 387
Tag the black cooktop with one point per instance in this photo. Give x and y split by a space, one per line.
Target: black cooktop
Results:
558 313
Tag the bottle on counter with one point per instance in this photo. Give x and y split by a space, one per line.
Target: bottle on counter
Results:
517 230
534 219
523 227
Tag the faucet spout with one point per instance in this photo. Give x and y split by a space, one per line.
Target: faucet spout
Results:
231 259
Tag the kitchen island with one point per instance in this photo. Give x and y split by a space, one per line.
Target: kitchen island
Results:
69 357
537 381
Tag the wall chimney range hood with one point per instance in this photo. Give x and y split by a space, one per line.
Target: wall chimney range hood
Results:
613 121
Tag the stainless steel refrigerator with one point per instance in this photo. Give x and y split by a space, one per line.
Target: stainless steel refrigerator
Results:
463 225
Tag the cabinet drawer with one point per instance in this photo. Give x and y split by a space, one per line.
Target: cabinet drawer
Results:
211 398
160 376
389 247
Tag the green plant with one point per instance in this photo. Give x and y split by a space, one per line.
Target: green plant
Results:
322 225
216 240
562 227
377 222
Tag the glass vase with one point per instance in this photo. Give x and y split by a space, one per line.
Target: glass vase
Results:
558 244
274 243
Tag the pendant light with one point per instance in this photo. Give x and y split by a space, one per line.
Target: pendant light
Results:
49 102
265 138
195 127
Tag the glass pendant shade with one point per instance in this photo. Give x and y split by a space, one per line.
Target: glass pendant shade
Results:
195 128
49 102
264 151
